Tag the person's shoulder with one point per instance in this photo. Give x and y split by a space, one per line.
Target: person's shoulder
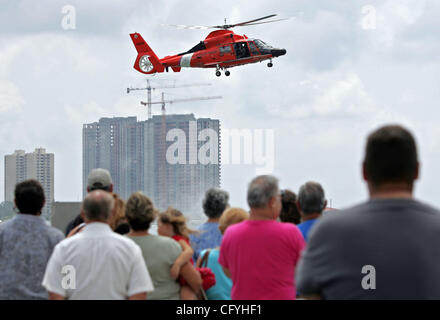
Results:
333 222
202 226
123 239
55 233
425 207
6 224
236 229
207 226
287 228
377 205
166 241
286 225
427 214
336 216
211 225
122 243
164 244
69 242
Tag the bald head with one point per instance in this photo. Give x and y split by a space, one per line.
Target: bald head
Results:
97 206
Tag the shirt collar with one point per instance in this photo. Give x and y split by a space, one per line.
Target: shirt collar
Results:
97 227
28 217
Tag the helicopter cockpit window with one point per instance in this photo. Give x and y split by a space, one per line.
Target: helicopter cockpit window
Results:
254 50
261 44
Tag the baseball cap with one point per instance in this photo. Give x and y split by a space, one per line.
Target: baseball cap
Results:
99 179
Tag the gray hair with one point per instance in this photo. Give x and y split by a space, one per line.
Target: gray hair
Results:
98 205
311 198
261 189
215 202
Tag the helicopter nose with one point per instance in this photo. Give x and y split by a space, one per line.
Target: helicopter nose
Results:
278 52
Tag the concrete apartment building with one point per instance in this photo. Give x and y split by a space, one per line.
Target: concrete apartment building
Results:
135 154
38 165
114 144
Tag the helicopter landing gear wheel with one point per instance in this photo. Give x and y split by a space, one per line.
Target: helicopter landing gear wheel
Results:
218 73
227 73
270 64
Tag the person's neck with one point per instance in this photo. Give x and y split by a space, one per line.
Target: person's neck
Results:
391 191
86 221
310 216
260 214
30 214
134 233
213 220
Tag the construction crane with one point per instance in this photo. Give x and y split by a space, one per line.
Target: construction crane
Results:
149 88
163 102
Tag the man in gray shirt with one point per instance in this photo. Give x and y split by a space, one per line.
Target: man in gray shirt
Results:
26 243
385 248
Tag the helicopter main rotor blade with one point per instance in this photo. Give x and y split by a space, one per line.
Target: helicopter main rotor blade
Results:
182 26
255 20
226 26
252 24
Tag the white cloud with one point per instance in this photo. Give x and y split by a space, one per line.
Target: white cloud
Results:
11 102
394 18
336 83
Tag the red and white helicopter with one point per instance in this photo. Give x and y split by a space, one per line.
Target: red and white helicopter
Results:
222 49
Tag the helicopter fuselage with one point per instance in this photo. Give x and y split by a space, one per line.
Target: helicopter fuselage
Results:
221 49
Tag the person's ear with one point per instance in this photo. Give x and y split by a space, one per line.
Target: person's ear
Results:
88 189
416 176
325 205
364 172
272 202
111 188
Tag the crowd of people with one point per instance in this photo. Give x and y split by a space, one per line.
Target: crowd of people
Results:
286 246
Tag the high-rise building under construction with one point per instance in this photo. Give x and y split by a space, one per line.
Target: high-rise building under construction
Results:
172 159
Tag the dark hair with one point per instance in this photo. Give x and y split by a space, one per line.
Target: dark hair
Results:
29 197
311 198
391 156
289 210
215 202
139 211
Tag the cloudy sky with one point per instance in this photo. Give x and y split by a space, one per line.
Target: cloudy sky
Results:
341 78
